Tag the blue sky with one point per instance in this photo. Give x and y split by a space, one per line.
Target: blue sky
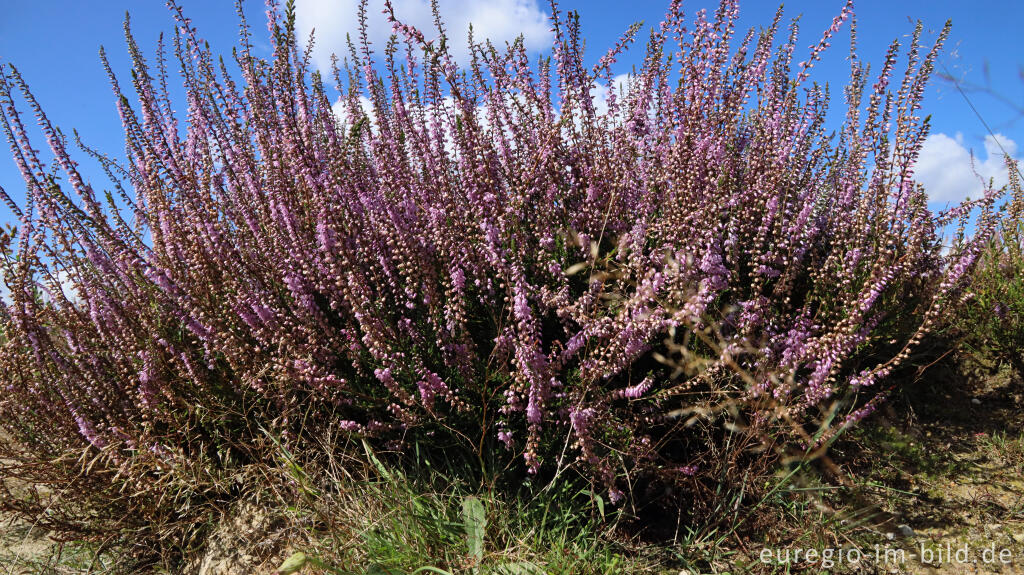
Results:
55 43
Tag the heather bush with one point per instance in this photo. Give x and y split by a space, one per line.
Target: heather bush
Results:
478 258
991 322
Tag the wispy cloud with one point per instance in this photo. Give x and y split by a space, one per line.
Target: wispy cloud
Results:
340 108
601 92
496 20
945 166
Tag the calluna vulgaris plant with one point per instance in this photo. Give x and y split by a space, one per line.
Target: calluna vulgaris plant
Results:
475 256
992 320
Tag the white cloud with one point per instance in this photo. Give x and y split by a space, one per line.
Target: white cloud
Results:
64 281
600 92
340 108
497 20
67 285
944 167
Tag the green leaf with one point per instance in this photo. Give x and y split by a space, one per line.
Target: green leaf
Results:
292 564
518 568
376 462
474 517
